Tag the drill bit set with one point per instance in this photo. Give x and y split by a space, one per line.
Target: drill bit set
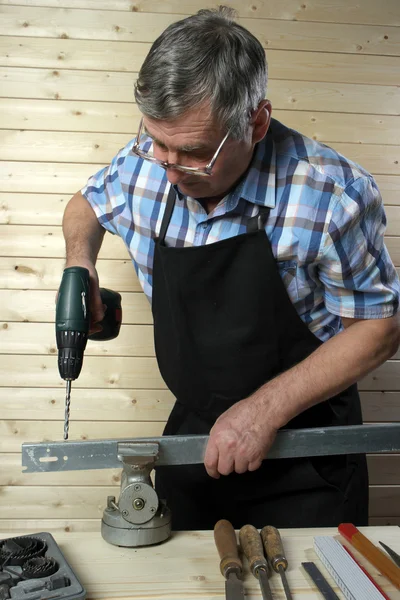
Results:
32 567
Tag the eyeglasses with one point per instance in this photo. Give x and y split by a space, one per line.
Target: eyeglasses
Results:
202 171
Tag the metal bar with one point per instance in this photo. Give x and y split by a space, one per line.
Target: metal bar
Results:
190 449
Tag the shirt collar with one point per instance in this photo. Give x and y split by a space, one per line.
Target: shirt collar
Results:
258 186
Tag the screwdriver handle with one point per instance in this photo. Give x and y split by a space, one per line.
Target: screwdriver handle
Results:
225 540
251 544
274 548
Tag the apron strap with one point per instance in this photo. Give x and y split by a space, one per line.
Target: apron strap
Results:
169 209
259 221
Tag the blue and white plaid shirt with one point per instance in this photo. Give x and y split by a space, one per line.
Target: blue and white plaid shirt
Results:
326 224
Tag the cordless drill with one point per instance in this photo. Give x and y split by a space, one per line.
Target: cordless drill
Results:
73 323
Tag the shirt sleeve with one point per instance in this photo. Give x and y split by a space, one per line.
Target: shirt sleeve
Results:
105 193
358 276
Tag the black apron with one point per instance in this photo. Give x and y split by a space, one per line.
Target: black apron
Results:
223 326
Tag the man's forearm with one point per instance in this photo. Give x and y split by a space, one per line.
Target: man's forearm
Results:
82 232
338 363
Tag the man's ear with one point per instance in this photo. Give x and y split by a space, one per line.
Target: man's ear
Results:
261 119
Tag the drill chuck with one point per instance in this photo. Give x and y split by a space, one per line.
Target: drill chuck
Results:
71 345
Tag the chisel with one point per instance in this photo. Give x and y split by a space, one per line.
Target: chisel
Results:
274 550
251 544
230 565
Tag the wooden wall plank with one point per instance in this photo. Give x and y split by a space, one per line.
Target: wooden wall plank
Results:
393 220
51 178
81 147
81 502
385 378
122 117
393 246
384 500
26 208
380 406
92 55
379 521
139 405
383 470
15 433
67 178
141 27
48 241
141 373
384 13
53 525
91 405
39 338
34 209
39 306
109 86
46 273
99 372
389 186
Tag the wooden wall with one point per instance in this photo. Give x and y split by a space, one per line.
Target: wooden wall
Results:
66 107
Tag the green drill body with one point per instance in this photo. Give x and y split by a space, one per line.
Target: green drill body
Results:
73 324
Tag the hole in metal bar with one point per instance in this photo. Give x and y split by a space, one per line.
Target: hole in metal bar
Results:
48 459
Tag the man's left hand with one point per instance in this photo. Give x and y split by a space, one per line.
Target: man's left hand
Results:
239 439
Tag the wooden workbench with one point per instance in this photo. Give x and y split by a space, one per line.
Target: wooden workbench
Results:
187 566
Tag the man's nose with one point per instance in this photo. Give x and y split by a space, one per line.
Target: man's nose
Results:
175 176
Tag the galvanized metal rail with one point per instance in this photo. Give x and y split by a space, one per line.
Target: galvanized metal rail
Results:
190 449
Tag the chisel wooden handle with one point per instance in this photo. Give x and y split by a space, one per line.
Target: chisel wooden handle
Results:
225 540
251 544
274 548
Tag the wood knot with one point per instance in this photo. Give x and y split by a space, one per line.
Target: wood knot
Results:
52 401
64 36
5 326
133 401
385 37
25 24
56 73
67 529
116 28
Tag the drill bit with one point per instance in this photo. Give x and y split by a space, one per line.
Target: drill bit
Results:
67 405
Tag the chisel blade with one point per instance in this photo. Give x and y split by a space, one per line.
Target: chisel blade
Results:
233 587
264 585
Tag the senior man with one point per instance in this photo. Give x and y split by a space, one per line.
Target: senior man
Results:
262 254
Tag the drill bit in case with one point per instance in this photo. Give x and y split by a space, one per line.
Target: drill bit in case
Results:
33 567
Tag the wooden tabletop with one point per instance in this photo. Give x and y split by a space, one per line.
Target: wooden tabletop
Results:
187 565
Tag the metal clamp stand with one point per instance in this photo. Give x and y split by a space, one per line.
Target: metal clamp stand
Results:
139 518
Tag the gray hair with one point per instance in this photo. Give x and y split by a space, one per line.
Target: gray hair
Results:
206 57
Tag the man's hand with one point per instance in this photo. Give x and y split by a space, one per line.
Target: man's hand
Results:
239 439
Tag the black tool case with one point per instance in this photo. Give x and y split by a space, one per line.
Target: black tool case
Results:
32 567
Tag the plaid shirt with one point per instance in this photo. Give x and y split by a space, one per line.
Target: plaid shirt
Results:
326 224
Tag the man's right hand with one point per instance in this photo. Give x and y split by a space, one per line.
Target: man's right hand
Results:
96 306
